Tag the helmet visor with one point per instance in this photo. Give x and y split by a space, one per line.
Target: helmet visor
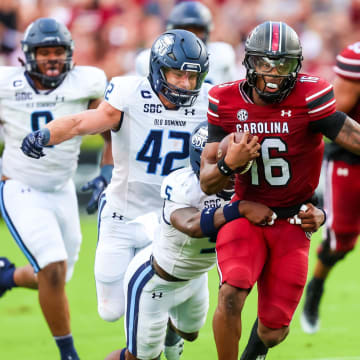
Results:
264 65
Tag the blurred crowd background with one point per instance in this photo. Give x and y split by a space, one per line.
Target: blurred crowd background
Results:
109 33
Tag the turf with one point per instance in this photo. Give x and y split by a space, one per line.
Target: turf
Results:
24 333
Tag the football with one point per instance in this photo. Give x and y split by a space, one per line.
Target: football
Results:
223 145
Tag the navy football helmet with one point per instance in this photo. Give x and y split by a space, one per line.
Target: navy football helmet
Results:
273 45
180 50
191 14
46 32
198 141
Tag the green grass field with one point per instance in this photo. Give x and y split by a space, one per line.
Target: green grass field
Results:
24 333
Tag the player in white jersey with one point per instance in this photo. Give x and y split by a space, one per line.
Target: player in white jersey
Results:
196 17
152 119
37 198
166 284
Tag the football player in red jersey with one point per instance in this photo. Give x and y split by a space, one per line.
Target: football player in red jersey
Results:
289 112
342 189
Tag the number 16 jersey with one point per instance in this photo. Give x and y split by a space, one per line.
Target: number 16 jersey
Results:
150 142
288 169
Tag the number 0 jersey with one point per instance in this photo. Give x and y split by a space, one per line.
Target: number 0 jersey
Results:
177 253
151 142
287 172
24 109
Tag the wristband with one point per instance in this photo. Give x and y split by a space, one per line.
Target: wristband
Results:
224 168
207 222
324 216
231 211
106 172
45 136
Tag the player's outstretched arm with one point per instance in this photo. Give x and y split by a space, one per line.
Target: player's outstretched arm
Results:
349 136
198 224
94 121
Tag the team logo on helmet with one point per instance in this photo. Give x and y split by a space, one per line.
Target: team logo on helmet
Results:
199 139
164 44
242 115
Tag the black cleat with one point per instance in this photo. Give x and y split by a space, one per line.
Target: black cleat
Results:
310 316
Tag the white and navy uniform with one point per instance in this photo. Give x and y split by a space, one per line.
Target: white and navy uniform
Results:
151 300
38 202
222 63
150 143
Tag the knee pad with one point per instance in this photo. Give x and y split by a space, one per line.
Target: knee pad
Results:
109 312
111 300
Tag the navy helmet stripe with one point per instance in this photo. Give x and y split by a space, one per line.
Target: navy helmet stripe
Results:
14 232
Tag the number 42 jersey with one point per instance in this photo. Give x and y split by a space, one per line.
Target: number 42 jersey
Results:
24 109
287 172
151 142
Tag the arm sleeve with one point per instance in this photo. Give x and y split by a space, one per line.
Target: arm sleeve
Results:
330 125
215 133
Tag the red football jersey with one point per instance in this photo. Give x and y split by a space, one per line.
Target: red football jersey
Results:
348 67
287 172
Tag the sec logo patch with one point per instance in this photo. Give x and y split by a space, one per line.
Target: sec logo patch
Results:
242 115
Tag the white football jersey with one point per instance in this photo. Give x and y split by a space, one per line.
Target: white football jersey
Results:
24 109
222 63
150 143
177 253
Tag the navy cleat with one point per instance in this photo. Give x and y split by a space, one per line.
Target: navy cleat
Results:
6 275
310 316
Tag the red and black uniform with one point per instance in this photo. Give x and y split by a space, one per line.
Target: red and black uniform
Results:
283 177
342 192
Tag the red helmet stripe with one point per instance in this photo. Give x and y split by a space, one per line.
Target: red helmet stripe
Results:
275 36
